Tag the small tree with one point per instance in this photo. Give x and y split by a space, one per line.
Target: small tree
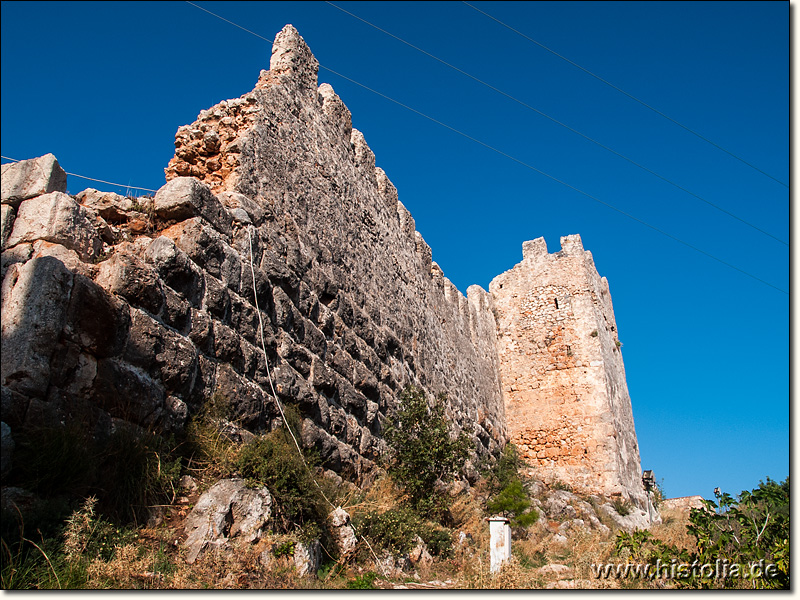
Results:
508 494
424 451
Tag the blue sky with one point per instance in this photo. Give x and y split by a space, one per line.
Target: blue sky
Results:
104 86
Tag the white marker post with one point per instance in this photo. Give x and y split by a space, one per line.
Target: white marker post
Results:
500 542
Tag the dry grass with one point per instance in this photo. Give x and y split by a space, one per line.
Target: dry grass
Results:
672 529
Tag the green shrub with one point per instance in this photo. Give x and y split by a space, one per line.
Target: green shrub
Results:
741 531
272 460
393 530
505 470
438 540
507 492
423 451
560 485
513 501
751 527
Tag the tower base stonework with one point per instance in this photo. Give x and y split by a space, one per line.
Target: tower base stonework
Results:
567 404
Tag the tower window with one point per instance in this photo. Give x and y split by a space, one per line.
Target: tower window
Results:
556 301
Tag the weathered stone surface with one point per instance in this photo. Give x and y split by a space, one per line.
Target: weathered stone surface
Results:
176 269
57 218
70 258
137 282
111 207
18 254
307 557
567 402
229 509
186 197
128 393
342 533
162 353
30 178
292 60
684 504
35 297
95 320
7 215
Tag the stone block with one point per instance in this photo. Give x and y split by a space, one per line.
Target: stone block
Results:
185 197
110 206
134 280
57 218
95 320
162 353
30 178
7 215
35 298
127 392
176 269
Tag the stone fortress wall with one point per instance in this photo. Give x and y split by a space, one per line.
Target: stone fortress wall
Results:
118 311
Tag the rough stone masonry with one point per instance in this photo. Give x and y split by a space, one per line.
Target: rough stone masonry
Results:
134 312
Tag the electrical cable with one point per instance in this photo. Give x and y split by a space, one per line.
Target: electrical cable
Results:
132 187
278 402
631 96
453 129
557 122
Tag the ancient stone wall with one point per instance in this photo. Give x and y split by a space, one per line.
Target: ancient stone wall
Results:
122 310
136 311
567 403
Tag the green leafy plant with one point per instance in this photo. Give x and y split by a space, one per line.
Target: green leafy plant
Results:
393 530
424 451
560 485
363 582
752 527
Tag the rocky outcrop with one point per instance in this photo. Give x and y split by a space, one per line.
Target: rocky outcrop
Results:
229 509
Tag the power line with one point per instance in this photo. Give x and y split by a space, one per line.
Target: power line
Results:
132 187
631 96
669 235
564 125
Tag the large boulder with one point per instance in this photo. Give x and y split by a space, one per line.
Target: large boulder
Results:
57 218
229 509
30 178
